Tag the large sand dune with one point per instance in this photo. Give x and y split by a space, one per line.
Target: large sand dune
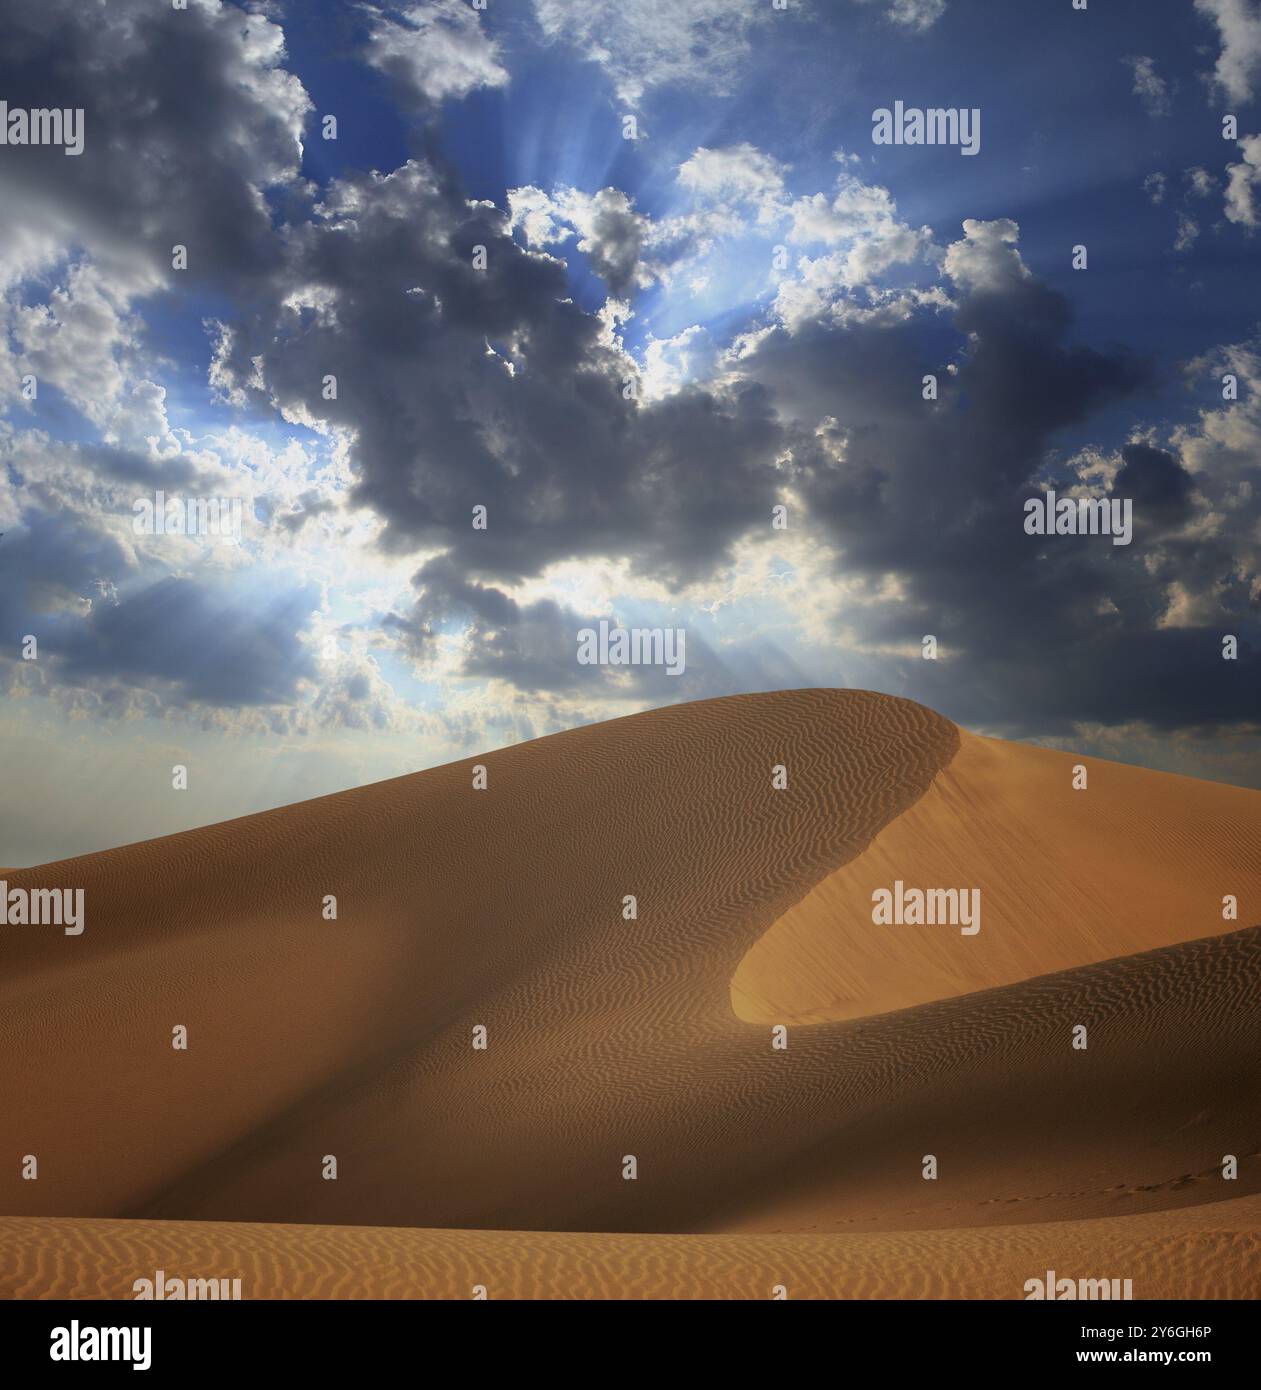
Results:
652 1037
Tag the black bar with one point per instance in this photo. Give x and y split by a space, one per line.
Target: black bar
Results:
327 1340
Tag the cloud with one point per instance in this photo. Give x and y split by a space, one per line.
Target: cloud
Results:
856 208
834 287
1188 231
1156 482
204 644
915 15
608 229
739 191
987 258
735 180
733 192
183 621
1154 186
74 339
442 424
924 500
153 81
643 44
433 50
864 217
1239 30
1242 182
920 500
532 646
670 363
1149 86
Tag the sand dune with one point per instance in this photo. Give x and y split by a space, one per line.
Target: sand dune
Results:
652 1037
1210 1252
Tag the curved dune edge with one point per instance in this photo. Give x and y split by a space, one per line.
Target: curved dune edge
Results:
1203 1252
1137 860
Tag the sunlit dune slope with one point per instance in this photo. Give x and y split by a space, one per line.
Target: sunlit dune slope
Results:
1067 877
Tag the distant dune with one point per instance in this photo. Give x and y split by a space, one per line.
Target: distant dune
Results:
652 1037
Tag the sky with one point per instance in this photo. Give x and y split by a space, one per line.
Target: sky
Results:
496 321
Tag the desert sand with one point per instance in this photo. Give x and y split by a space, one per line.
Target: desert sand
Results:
651 1036
1212 1253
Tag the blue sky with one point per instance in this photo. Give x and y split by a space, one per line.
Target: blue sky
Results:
672 335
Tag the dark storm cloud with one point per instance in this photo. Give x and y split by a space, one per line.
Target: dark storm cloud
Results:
187 117
212 647
932 489
1160 487
469 387
73 587
49 563
534 646
1042 631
